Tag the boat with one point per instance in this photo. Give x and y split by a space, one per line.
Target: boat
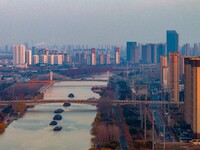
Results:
57 128
53 123
71 95
57 117
58 110
66 104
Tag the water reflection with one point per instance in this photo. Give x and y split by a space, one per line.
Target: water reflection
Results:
32 132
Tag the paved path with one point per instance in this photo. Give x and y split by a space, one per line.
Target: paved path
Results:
122 140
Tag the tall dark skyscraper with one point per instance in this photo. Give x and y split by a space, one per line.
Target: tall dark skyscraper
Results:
172 41
130 51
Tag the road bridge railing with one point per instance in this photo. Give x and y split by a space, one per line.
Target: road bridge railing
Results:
85 101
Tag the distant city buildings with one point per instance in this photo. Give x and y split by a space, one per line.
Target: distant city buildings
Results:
176 65
186 50
81 55
192 94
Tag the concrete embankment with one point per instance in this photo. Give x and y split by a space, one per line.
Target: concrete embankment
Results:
46 87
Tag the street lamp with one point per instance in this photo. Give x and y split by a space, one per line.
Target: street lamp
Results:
152 130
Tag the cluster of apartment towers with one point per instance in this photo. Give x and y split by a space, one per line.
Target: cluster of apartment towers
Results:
175 65
23 58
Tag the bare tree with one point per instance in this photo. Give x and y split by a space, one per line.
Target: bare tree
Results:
105 106
102 135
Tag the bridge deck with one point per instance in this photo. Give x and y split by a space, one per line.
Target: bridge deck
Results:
79 101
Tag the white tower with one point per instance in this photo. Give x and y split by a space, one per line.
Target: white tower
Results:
19 55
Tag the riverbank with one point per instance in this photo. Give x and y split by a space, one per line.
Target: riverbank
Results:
34 124
13 112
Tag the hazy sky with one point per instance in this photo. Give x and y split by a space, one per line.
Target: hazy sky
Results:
96 22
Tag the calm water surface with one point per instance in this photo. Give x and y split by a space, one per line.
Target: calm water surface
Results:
32 132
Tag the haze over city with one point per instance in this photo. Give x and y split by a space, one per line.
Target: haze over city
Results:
96 22
106 74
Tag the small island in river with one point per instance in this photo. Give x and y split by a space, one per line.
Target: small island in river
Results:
71 95
57 128
66 104
57 117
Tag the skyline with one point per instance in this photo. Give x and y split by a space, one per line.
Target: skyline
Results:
96 22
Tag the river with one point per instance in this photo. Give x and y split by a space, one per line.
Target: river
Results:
32 131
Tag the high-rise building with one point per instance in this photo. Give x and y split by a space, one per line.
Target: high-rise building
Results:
51 59
19 55
160 51
101 59
35 59
192 94
146 54
196 50
34 50
93 56
186 50
58 59
153 53
117 55
108 59
163 72
83 58
78 57
66 59
131 52
28 57
88 60
174 76
172 41
43 51
43 59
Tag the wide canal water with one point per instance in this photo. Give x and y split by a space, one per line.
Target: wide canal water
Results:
32 132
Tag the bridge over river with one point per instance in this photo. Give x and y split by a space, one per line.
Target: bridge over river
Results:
84 101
